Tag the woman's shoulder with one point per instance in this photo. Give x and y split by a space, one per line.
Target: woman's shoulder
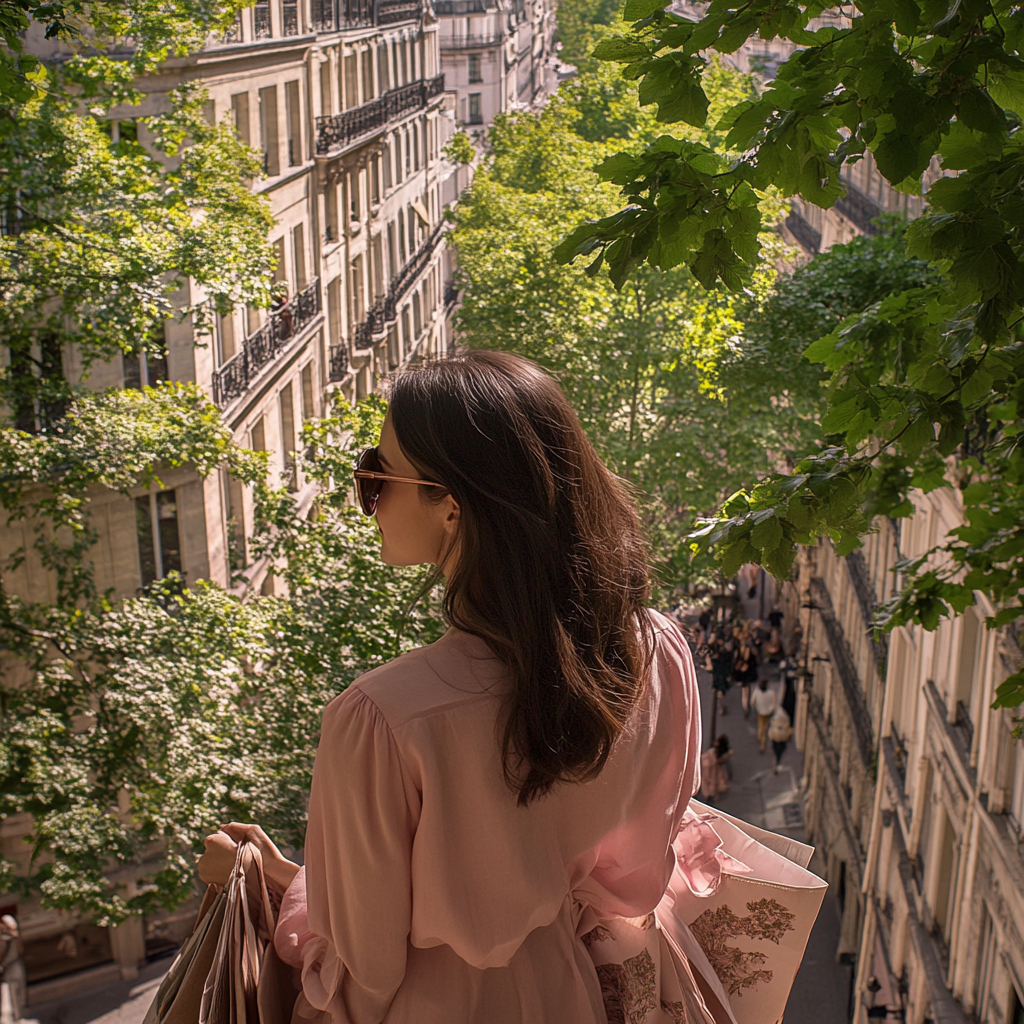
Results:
455 670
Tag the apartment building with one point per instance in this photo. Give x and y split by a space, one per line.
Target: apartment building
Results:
346 101
914 786
497 55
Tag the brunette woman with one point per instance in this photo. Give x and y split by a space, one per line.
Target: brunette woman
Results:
495 818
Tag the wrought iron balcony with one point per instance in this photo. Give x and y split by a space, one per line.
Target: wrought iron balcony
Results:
845 669
385 309
866 599
862 210
323 15
391 12
338 368
471 42
449 7
339 130
263 346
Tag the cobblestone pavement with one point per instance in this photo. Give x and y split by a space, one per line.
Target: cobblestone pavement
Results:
821 991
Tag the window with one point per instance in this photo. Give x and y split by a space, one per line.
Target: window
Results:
268 131
226 346
261 19
415 147
299 239
379 287
334 310
156 526
287 403
407 149
353 196
308 406
258 436
358 301
387 167
475 114
410 221
331 233
382 67
294 116
396 78
290 17
1017 792
417 316
240 115
475 74
398 158
375 180
392 254
326 89
366 59
394 354
280 270
403 255
351 82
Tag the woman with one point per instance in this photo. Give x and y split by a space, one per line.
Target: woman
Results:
492 817
721 670
714 770
780 730
744 670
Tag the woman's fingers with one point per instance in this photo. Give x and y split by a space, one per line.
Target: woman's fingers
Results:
216 864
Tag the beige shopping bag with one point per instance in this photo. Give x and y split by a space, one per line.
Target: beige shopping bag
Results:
228 971
740 907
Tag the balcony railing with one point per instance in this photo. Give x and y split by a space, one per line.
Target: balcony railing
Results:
845 669
385 309
338 368
338 130
449 7
290 19
855 206
263 346
465 42
392 11
857 567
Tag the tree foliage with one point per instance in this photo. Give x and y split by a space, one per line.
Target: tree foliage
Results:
928 374
130 731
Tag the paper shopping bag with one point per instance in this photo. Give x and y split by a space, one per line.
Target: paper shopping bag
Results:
740 907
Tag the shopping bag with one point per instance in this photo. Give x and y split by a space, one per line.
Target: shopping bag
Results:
739 908
228 971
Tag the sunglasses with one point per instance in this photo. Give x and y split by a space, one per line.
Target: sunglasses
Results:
371 478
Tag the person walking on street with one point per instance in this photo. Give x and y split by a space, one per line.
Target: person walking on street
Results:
764 702
714 771
779 732
721 670
744 667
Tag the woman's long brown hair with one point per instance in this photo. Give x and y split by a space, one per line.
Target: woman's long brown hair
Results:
551 570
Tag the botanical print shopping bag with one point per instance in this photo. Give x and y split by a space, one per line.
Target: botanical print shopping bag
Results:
741 904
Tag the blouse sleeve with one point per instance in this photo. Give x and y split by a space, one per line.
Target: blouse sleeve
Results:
345 920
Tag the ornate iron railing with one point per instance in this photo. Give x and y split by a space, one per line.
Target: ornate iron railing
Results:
233 33
338 363
867 599
451 294
464 42
390 12
338 130
234 378
385 309
261 21
857 207
356 13
842 663
809 238
449 7
290 18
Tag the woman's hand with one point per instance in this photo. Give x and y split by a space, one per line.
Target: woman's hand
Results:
216 864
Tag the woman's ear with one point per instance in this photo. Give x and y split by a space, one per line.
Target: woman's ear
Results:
451 521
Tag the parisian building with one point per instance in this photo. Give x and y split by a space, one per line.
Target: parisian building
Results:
346 101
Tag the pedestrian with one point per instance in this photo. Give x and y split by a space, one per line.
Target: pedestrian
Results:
745 667
12 965
780 730
485 809
721 670
788 688
764 702
714 769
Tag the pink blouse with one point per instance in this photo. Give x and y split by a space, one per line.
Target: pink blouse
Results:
430 897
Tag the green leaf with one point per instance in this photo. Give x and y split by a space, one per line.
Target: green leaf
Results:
620 49
637 10
767 534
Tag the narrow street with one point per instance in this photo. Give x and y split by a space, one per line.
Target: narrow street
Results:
821 992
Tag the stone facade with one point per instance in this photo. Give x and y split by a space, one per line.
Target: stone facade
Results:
914 786
496 55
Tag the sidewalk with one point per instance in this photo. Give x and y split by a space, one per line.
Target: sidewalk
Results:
123 1002
821 991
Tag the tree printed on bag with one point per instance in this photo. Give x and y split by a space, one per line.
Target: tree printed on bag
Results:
737 968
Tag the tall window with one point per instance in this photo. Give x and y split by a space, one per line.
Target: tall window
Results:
268 131
382 67
475 74
351 82
367 64
290 17
308 406
326 89
375 180
293 114
240 114
387 166
156 525
475 109
261 20
331 212
299 239
287 402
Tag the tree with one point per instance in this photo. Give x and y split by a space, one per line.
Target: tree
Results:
642 366
135 729
932 372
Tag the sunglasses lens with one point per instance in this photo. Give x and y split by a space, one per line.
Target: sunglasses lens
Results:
368 491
